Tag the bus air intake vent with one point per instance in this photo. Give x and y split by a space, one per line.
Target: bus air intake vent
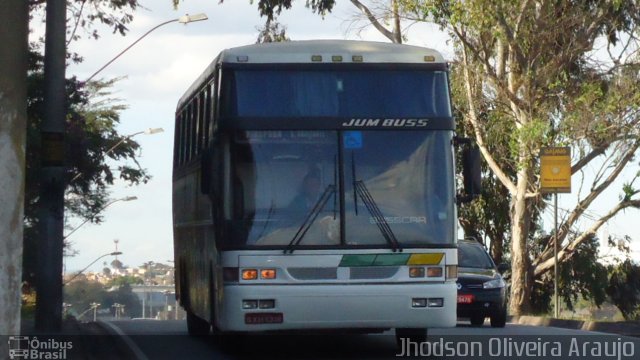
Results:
372 272
313 273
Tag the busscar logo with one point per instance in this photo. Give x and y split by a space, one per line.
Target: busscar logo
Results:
31 348
356 122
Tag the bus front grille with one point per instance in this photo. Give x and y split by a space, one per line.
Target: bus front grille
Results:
372 272
314 273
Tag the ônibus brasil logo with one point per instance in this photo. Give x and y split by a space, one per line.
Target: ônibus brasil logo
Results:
31 348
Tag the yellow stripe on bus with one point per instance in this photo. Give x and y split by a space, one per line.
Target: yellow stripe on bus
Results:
425 259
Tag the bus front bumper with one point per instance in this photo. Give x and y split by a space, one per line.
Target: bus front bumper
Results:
361 306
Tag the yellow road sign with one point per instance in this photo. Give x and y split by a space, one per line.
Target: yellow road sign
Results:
555 170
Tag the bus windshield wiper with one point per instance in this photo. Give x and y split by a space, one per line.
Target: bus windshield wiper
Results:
374 210
359 188
310 218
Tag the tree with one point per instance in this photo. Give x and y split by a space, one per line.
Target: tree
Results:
13 118
581 276
272 8
92 117
81 293
532 63
624 289
272 31
384 15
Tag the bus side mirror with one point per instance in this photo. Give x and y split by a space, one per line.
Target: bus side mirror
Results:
471 173
502 268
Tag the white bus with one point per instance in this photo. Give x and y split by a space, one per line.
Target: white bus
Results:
314 188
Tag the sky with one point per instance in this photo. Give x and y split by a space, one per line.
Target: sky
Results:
158 70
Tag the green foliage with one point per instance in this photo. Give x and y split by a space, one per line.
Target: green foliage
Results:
580 277
272 31
125 280
624 289
528 79
91 127
81 293
85 14
125 296
92 118
272 8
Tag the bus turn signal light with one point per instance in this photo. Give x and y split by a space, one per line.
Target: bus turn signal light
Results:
268 274
434 271
416 272
249 274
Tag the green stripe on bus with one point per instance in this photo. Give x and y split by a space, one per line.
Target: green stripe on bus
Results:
391 259
357 260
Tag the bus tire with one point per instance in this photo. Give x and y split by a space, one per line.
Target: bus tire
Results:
197 326
416 335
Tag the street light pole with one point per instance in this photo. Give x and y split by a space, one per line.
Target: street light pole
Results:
115 253
48 314
126 198
94 306
149 131
183 19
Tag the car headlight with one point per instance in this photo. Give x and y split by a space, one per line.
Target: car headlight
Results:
494 284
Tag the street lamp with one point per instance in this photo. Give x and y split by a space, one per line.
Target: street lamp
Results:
115 253
119 309
149 131
94 306
126 198
182 19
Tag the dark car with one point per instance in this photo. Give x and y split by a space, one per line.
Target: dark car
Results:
482 292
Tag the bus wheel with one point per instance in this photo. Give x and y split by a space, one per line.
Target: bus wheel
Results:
404 336
197 326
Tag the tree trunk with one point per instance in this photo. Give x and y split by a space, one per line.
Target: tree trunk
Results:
520 264
397 31
13 126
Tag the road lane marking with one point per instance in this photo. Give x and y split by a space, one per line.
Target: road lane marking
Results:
127 340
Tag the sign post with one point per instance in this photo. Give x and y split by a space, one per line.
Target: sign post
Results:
555 177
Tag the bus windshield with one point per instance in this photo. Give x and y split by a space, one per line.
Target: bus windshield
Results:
363 93
310 184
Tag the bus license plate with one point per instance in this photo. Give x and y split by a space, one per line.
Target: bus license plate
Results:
465 299
263 318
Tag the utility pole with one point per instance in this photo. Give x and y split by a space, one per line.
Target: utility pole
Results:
13 128
48 316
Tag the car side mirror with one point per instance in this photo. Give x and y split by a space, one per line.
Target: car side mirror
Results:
502 268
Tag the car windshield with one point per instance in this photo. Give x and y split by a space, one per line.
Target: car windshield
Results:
392 188
473 256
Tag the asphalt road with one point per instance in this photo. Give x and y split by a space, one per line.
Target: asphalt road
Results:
149 339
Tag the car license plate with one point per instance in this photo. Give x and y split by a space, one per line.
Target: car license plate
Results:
465 299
